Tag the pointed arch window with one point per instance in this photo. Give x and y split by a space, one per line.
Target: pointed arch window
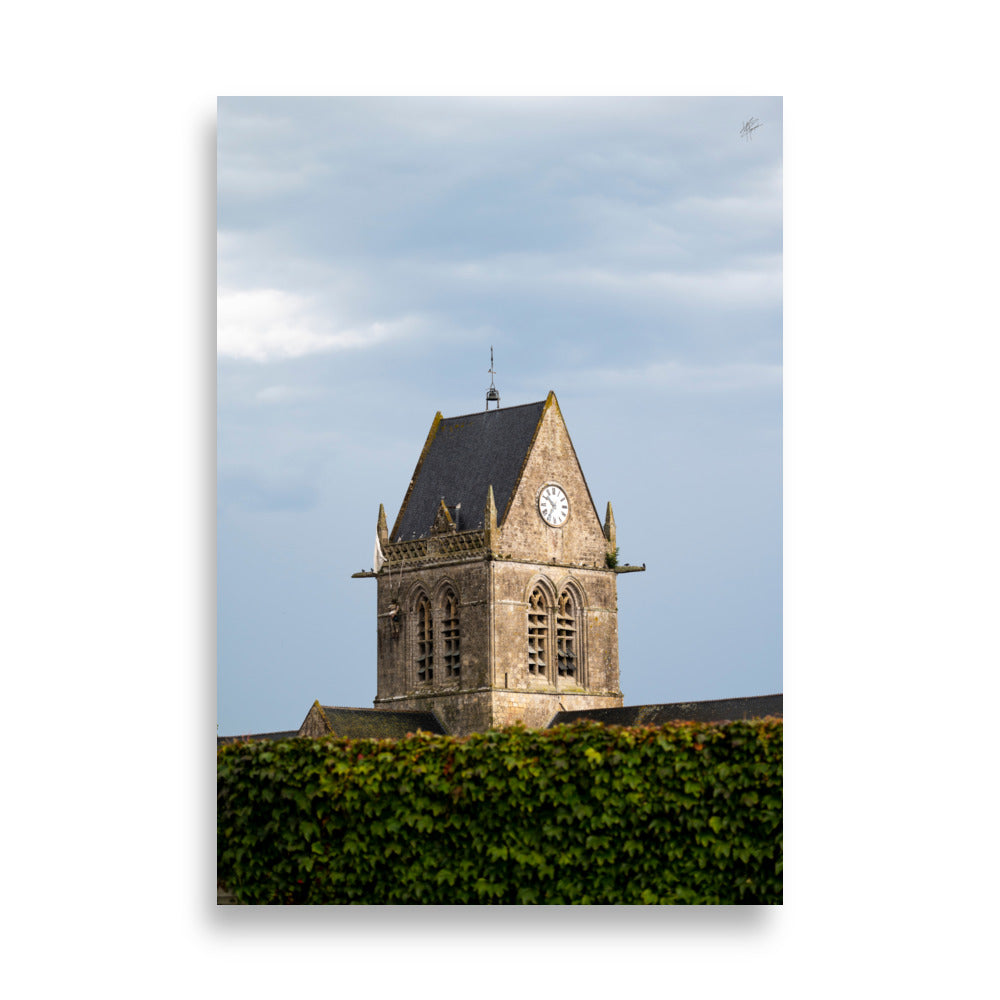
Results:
425 640
566 640
451 637
538 632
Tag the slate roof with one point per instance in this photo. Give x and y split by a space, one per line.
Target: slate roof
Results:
721 710
252 737
462 457
374 723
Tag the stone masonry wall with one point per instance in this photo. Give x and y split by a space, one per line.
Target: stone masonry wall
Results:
523 534
397 674
598 634
495 687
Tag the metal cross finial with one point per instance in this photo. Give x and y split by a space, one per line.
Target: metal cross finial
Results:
492 394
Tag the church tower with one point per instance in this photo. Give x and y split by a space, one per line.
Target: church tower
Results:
497 586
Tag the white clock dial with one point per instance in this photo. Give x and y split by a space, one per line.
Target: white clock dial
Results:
553 506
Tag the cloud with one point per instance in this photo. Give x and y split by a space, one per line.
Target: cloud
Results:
267 324
262 181
750 283
755 208
282 393
692 378
750 286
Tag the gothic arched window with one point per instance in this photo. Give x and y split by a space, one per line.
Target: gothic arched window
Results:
566 648
425 640
450 635
538 631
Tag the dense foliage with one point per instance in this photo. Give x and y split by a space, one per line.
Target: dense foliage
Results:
685 813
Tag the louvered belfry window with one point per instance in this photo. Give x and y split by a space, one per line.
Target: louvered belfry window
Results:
452 638
566 636
425 641
538 631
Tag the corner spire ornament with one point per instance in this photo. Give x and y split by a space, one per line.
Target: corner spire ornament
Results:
492 534
492 393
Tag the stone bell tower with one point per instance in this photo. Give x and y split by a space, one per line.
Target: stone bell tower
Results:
497 586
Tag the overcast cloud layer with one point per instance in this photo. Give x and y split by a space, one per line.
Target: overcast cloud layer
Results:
624 252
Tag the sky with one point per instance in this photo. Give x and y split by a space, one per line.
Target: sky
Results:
623 252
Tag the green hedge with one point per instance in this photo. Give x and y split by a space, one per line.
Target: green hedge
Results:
685 813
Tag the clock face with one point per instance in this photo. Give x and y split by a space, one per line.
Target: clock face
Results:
553 506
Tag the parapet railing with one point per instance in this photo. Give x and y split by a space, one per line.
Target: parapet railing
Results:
437 548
